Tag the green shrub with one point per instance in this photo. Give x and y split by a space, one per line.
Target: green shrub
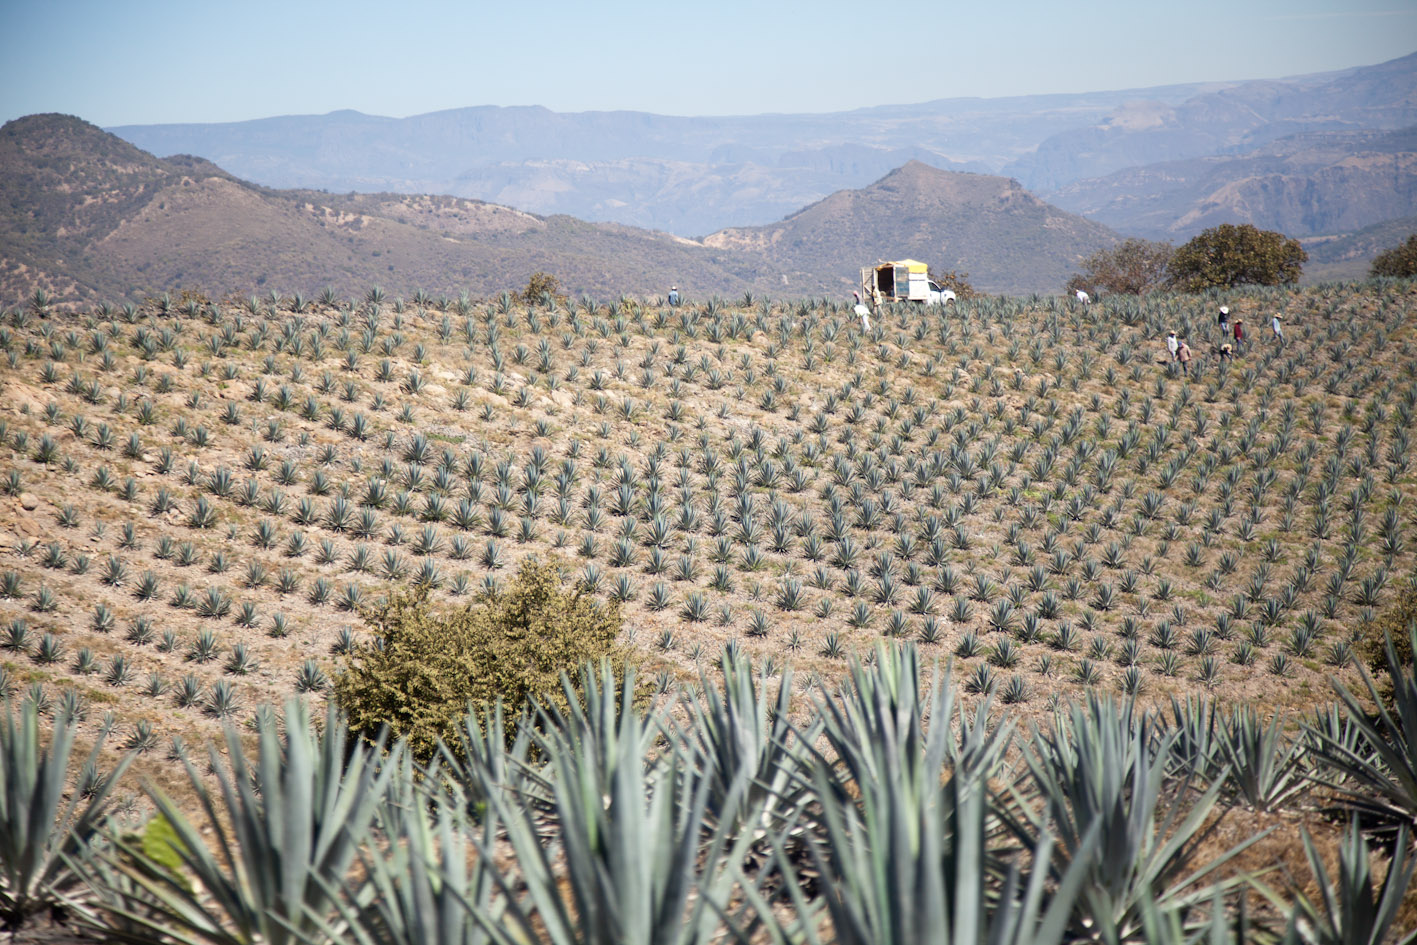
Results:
540 285
1400 261
512 644
1395 622
1231 255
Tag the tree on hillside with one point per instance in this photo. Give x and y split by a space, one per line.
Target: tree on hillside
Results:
1399 262
1133 267
540 286
957 282
1230 255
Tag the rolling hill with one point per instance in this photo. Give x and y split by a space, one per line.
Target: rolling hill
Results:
86 215
1225 121
687 175
692 176
1004 237
1313 184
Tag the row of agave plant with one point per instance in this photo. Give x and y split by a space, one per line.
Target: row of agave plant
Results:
659 531
887 812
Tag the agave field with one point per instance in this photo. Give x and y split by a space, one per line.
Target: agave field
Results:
1142 581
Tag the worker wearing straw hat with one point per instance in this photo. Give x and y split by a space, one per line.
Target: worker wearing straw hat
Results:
1277 324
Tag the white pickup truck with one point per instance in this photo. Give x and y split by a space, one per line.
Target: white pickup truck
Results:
903 280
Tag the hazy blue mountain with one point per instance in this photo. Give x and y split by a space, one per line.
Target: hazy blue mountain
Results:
686 175
692 176
1312 184
1235 119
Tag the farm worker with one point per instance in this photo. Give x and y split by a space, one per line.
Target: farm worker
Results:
1083 297
1225 351
1224 319
674 295
1278 328
862 312
1239 332
1183 354
1172 345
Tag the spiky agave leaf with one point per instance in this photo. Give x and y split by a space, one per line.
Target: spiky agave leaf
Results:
487 757
1195 752
1102 766
1266 769
1377 774
624 860
425 887
1351 909
901 843
746 743
46 830
286 827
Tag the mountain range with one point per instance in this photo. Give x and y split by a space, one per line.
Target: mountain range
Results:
692 176
87 215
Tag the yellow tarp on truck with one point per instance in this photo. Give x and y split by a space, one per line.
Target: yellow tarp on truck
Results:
901 280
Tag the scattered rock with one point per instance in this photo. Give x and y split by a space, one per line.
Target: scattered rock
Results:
28 501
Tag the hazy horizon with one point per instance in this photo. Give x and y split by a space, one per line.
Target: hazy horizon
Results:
160 61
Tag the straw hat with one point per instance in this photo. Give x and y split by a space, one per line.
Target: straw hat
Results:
1225 310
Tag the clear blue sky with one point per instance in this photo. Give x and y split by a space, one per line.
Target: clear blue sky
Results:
145 61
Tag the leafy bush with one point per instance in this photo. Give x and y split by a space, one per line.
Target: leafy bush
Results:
1394 623
957 282
1230 255
510 644
1132 267
541 284
1399 262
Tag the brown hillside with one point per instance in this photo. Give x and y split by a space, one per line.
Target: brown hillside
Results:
88 217
83 214
1005 237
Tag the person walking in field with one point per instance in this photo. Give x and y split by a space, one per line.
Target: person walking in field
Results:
862 312
1183 355
1239 332
674 296
1172 345
1224 319
1276 324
